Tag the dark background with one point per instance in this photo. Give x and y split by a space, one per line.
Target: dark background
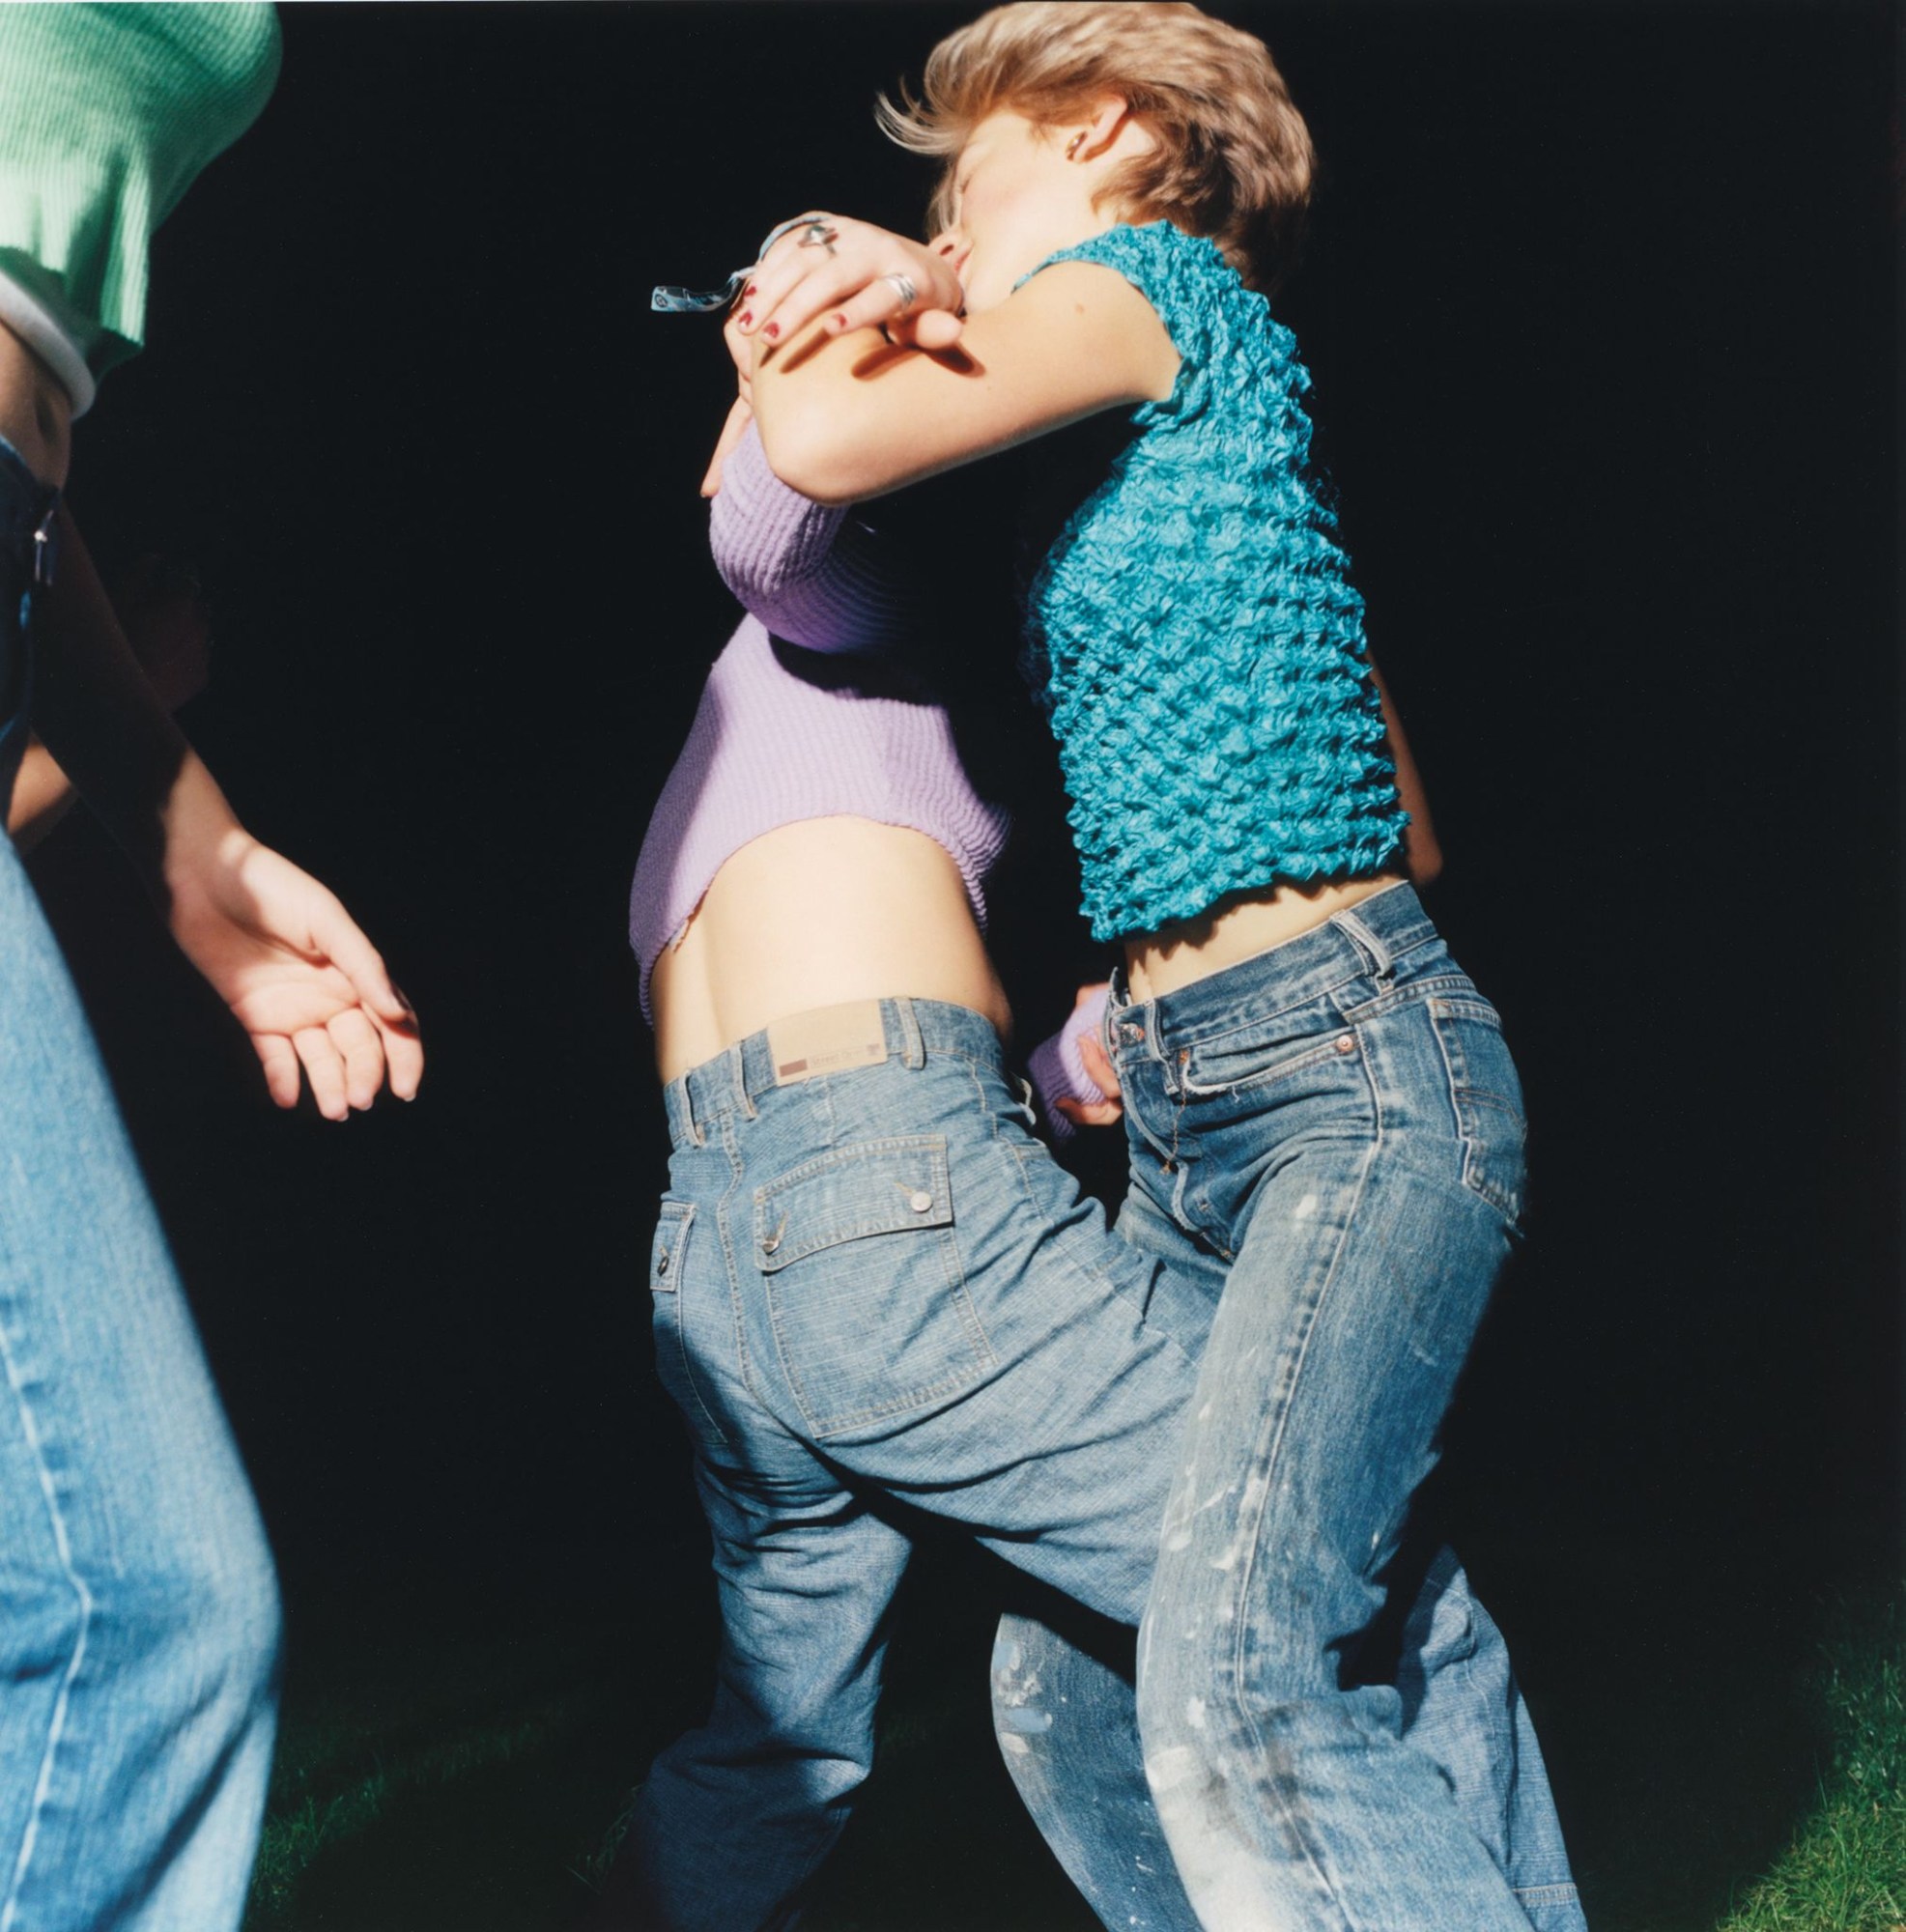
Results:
1600 303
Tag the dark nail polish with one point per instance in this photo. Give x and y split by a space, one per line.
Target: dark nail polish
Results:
747 316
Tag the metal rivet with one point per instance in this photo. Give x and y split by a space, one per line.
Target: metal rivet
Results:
1347 1044
661 1266
920 1201
1129 1032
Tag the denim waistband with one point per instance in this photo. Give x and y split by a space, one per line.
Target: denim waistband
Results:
742 1078
1371 939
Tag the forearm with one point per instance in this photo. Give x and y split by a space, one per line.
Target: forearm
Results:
43 796
848 418
814 576
106 727
1422 854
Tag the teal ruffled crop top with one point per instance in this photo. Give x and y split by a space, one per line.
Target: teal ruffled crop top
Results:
1194 633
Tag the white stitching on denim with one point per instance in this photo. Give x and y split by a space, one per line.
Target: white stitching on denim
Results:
56 1729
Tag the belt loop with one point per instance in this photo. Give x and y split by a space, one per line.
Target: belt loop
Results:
1381 965
685 1091
738 1068
913 1049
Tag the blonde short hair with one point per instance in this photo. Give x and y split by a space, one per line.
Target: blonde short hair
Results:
1233 159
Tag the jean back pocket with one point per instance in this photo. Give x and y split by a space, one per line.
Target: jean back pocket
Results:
861 1267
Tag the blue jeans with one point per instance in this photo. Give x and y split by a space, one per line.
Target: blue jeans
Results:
1338 1123
875 1294
138 1610
877 1287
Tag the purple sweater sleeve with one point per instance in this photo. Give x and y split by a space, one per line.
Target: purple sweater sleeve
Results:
815 576
1059 1068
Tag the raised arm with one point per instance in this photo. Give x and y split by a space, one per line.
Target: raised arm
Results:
845 417
818 577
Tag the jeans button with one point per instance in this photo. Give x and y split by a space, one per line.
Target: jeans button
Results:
920 1201
1347 1044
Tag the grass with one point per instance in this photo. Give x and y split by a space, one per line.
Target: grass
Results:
465 1772
1846 1870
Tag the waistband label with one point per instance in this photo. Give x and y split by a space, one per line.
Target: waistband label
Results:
830 1040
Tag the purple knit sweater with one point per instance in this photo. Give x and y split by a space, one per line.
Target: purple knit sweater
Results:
768 747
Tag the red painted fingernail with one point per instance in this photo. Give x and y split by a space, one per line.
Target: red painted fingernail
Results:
839 321
749 289
773 328
747 316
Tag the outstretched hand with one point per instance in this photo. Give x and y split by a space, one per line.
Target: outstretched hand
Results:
857 277
299 977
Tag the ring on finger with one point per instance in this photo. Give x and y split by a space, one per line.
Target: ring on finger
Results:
818 231
903 287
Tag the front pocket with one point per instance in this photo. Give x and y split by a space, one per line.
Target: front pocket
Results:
860 1263
1253 1056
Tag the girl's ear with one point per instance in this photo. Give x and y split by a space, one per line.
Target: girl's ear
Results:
1111 114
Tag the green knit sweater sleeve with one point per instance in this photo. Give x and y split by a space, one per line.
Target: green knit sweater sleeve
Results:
110 112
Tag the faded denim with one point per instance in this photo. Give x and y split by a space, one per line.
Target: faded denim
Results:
876 1289
138 1610
878 1284
1338 1123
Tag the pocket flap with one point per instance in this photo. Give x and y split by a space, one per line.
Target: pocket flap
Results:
878 1187
670 1245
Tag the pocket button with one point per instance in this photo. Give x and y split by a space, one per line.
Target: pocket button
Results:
1347 1044
920 1201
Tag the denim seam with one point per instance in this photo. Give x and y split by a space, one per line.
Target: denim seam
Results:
693 1387
1092 1282
1547 1895
1248 1566
821 1428
1183 1036
1298 1064
1462 1097
56 1726
1410 993
723 1222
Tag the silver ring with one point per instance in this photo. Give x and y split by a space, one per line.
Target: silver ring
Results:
818 231
903 287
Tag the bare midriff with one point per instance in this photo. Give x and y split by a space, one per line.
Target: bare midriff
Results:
816 914
1237 929
36 413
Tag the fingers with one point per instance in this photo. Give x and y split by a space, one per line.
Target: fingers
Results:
934 328
280 1062
879 302
795 284
337 936
1091 1113
1099 1064
323 1068
403 1057
360 1047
